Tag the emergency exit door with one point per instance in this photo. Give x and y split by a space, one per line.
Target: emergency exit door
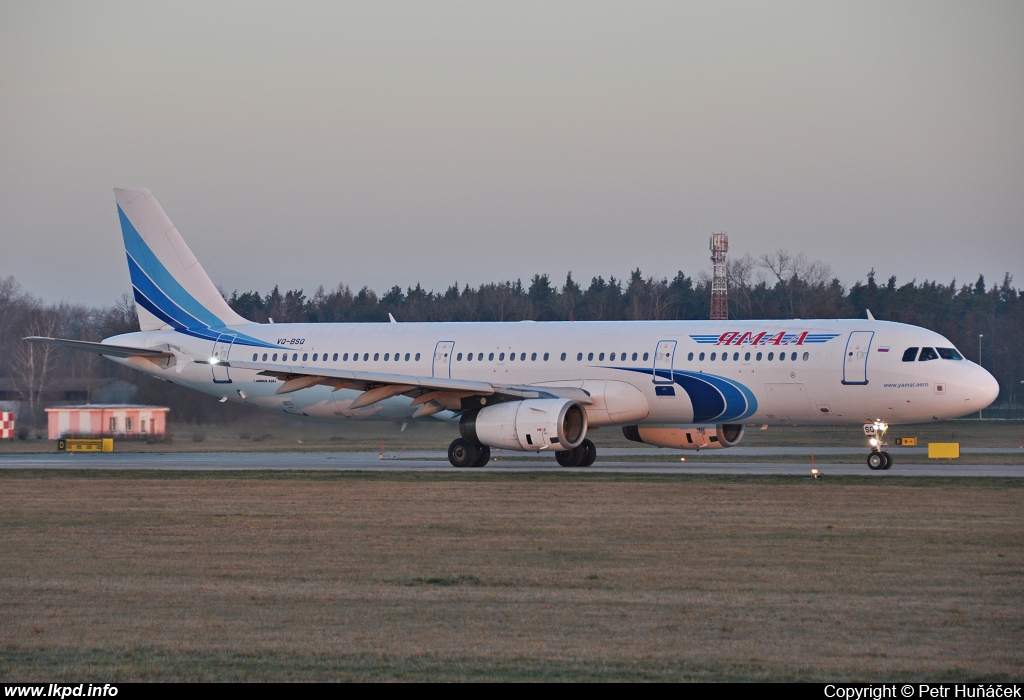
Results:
663 357
442 367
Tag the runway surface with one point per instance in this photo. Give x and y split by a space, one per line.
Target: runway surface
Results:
909 462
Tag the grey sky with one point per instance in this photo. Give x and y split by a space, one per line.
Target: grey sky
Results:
389 143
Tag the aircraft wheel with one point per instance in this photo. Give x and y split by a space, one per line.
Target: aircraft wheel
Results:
485 456
569 458
877 461
462 453
589 453
888 461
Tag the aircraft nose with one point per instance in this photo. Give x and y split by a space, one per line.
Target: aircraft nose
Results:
980 389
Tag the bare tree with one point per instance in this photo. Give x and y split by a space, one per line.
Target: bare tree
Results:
33 361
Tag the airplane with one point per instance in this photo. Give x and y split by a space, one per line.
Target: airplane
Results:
534 386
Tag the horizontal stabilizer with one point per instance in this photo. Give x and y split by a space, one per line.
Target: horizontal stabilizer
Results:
100 348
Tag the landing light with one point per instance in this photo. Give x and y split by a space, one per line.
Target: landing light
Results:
873 442
214 361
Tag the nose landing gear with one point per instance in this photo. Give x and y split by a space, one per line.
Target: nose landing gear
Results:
879 459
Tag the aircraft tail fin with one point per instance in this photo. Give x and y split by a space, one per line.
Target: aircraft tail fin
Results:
171 288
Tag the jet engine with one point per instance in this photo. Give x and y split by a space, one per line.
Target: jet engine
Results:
706 438
532 425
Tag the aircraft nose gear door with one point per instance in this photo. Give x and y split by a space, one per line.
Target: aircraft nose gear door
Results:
221 353
663 361
855 360
443 359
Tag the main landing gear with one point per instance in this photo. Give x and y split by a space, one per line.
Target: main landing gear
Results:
581 456
463 453
879 459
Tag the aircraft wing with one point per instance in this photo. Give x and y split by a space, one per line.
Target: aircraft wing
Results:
101 348
441 392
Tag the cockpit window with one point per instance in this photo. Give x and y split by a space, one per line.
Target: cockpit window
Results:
927 354
949 354
910 354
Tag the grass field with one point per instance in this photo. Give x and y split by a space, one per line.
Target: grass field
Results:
358 576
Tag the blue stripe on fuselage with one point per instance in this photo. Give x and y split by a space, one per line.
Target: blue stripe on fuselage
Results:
713 398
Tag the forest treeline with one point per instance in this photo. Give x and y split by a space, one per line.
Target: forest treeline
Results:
773 286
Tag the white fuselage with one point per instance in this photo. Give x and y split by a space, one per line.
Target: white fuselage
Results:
653 372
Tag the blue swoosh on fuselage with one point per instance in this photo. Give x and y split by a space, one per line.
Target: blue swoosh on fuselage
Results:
714 398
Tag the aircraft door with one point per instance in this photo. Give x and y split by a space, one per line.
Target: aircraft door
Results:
443 359
855 359
221 353
663 357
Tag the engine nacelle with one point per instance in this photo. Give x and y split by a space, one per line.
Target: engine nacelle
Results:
533 425
722 435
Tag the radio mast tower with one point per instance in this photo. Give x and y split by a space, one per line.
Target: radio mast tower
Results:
719 283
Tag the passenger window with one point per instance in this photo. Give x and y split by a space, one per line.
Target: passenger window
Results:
314 357
600 357
746 356
469 357
490 357
807 356
458 357
700 357
366 357
255 356
590 357
793 357
758 357
406 357
782 356
511 357
336 356
533 357
736 356
689 357
479 357
612 357
295 357
944 353
501 357
387 356
910 354
264 357
725 356
344 357
771 356
646 355
927 354
563 357
579 357
714 356
546 356
634 357
417 357
376 356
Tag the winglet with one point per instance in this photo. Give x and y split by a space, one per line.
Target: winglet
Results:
870 317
